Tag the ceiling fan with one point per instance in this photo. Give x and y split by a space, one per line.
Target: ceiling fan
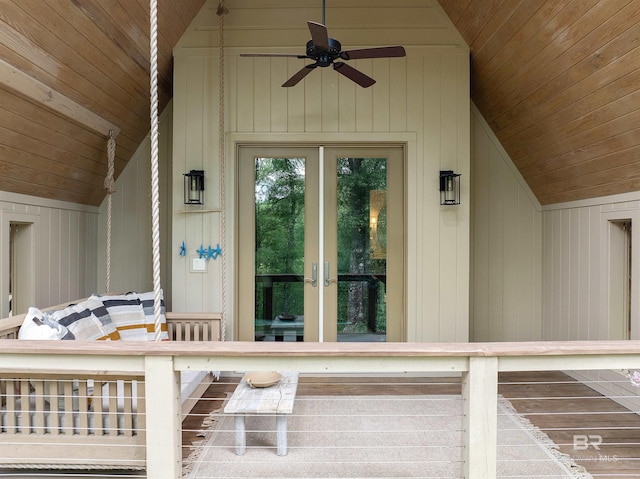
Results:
325 51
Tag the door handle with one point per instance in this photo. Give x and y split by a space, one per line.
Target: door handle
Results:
314 275
327 279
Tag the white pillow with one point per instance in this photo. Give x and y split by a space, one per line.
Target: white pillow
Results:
38 325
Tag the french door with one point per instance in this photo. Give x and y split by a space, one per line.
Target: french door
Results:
320 244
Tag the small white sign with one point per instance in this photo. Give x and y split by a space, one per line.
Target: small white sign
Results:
198 265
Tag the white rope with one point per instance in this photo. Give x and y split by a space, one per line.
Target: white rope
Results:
155 196
223 195
109 185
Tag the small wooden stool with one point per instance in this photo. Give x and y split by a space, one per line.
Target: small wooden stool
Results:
277 399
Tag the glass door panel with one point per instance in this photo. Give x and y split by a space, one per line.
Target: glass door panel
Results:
362 271
279 248
276 221
364 242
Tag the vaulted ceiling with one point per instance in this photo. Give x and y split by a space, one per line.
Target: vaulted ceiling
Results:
70 72
558 81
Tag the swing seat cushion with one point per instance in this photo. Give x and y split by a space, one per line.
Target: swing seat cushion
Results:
128 317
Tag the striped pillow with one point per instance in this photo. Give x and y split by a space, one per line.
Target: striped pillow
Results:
97 308
147 301
125 310
83 324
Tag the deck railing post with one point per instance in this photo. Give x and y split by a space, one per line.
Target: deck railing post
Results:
162 391
480 422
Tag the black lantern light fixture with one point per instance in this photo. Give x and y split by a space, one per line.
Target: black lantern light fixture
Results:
194 187
449 188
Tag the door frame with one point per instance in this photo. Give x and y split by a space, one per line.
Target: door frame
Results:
620 266
607 218
24 276
405 141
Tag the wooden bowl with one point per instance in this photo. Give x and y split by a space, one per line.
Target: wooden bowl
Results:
262 379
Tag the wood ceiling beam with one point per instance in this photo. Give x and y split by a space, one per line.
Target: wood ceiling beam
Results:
35 90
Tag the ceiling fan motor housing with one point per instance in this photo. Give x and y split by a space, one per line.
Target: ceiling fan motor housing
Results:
323 57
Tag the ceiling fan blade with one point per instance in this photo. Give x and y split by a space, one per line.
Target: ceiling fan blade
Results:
377 52
351 73
289 55
319 35
299 75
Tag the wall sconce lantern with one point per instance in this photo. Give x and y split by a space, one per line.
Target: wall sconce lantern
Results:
194 187
449 188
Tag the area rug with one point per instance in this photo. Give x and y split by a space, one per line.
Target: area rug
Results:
374 436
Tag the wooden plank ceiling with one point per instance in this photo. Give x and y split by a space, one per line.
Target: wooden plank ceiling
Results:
558 81
71 70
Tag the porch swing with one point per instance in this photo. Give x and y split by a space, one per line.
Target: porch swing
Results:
202 331
65 422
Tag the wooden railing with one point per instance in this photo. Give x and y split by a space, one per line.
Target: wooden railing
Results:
266 283
159 363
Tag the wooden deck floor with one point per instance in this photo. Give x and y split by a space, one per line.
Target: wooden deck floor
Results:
562 407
